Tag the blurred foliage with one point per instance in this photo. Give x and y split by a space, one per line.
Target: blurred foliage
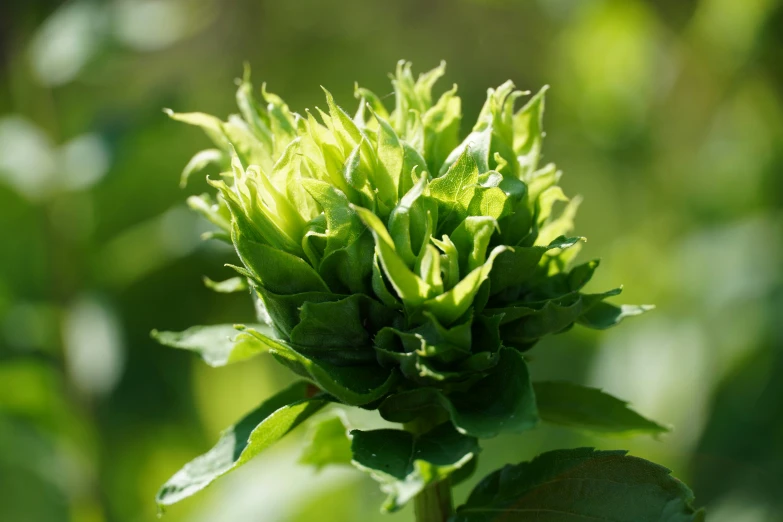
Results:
666 115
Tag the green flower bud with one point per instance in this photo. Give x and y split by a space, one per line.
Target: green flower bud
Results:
396 266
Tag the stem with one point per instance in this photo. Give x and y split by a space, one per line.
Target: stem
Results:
433 503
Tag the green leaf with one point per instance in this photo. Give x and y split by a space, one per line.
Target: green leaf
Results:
449 261
441 129
229 286
562 225
477 145
579 485
489 201
404 464
423 352
218 345
252 219
354 385
523 325
328 442
410 222
551 282
390 152
449 306
347 257
201 161
590 409
244 143
284 309
472 238
455 189
211 125
372 100
342 331
345 128
253 112
281 120
278 271
503 401
412 162
605 315
380 289
546 203
515 267
258 430
410 287
214 211
529 132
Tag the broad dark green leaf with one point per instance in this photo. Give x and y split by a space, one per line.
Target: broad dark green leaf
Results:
522 325
262 427
342 331
580 485
218 345
518 265
560 283
284 310
404 464
430 353
503 401
328 442
590 409
354 385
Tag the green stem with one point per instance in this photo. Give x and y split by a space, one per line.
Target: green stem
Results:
434 503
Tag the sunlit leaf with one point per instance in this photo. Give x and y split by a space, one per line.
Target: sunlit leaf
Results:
328 442
590 409
201 161
218 345
234 284
258 430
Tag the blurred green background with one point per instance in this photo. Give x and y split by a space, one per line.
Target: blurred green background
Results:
666 115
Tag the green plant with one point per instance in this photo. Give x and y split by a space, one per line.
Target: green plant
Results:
398 268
